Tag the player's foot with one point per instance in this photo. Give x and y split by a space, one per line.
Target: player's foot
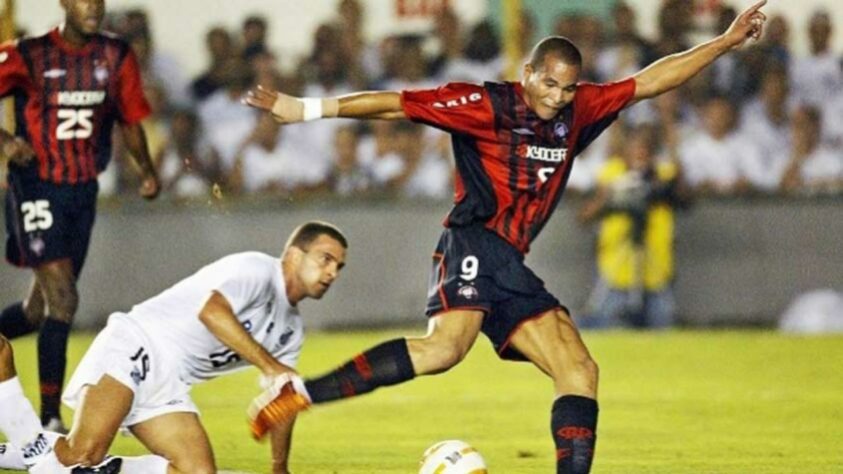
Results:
109 466
55 424
278 404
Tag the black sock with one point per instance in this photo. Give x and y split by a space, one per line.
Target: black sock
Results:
13 322
573 423
52 360
386 364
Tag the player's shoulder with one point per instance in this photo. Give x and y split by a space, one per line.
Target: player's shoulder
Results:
251 256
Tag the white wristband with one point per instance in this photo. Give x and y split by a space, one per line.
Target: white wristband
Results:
312 108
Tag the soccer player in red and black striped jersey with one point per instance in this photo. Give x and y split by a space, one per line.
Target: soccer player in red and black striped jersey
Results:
514 144
70 86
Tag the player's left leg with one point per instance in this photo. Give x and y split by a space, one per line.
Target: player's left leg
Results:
58 282
180 438
552 342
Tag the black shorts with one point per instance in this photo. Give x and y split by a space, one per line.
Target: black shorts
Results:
475 269
47 222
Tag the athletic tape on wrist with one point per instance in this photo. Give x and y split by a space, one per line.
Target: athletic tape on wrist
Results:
312 108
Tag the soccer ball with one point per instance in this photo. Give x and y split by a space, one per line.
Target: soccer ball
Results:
452 457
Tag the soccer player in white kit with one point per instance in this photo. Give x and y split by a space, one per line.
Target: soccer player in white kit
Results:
238 311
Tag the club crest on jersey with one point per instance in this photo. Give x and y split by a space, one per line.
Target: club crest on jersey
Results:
101 73
560 129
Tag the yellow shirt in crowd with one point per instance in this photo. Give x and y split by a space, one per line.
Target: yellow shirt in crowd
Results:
616 254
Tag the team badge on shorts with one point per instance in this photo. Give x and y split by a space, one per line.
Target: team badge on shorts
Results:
37 245
468 292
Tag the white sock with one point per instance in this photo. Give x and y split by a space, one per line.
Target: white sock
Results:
49 464
18 420
11 457
149 464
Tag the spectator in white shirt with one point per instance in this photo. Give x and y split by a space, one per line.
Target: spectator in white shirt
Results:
716 158
813 168
818 77
766 121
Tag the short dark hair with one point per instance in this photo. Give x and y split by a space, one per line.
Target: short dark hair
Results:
305 234
557 46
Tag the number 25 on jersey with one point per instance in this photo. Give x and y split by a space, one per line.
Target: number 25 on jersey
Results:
75 124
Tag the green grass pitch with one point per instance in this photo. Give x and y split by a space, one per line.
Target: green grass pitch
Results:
674 402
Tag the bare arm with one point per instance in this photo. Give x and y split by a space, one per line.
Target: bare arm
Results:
15 149
385 105
281 439
219 318
135 139
674 70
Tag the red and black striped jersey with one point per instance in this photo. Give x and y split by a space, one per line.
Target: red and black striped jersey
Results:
512 166
67 100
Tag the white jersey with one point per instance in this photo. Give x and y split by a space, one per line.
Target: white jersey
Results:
253 285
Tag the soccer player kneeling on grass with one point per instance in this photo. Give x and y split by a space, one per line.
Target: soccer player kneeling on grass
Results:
238 311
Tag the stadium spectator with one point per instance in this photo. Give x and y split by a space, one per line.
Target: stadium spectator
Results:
427 172
817 78
51 200
254 32
220 46
480 59
270 162
347 176
634 203
513 145
226 123
187 164
811 167
379 159
234 313
717 159
765 120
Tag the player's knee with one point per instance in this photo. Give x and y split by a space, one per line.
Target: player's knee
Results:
446 354
63 302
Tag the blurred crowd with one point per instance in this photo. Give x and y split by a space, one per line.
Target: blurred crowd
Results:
763 120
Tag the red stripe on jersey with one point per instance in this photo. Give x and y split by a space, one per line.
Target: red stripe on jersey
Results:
70 146
55 145
86 157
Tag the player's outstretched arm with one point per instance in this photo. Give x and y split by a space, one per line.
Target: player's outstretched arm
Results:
385 105
672 71
135 139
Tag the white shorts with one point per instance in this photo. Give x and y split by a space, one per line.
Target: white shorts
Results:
124 352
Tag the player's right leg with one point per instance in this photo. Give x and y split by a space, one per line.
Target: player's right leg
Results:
23 317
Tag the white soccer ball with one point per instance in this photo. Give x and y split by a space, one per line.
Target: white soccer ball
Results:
452 457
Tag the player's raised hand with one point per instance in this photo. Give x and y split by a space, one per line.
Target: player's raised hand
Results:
284 108
749 24
18 151
149 187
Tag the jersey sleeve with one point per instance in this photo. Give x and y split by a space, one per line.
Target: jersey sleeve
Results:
455 107
131 101
13 70
597 102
